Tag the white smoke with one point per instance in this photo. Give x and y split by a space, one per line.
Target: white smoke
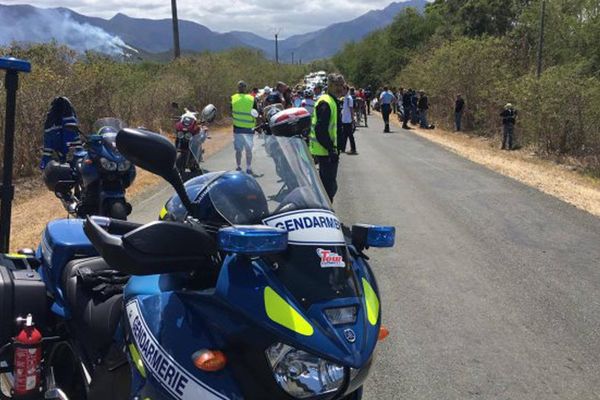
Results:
47 25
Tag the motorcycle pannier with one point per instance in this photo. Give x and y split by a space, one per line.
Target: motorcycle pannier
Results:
22 292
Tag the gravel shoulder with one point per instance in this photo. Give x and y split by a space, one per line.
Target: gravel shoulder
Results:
561 181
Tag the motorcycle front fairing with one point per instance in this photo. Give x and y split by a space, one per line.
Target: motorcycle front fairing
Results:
167 324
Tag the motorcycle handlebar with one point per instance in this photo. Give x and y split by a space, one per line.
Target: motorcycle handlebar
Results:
115 226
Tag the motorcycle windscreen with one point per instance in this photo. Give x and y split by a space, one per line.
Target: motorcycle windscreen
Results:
315 274
108 122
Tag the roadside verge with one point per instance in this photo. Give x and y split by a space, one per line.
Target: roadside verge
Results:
557 180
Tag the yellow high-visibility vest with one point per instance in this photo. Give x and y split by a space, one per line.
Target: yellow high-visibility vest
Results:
316 149
241 107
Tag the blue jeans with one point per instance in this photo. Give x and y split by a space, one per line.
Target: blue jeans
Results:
458 120
508 134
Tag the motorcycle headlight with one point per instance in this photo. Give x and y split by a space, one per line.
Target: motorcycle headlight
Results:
124 165
188 135
302 374
180 134
107 164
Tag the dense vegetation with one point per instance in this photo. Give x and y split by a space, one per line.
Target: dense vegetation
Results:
140 94
487 50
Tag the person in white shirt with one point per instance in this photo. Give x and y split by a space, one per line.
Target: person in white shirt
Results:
347 124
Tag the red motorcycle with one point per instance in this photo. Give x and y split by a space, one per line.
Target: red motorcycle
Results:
190 135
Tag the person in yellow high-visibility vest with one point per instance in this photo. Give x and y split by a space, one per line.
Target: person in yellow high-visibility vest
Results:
242 105
324 132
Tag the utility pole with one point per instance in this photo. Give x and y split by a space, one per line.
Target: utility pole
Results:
277 47
292 58
176 48
541 41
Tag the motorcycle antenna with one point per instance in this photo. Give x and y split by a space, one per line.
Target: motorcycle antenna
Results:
12 66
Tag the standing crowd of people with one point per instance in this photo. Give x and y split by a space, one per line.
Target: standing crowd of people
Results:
412 107
335 108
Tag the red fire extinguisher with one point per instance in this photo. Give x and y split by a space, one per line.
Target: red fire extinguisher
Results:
28 357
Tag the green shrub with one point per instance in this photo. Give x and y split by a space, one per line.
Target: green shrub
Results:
140 93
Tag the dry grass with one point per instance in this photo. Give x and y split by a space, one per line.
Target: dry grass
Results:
557 180
34 205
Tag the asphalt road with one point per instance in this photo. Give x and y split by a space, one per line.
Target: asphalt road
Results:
493 289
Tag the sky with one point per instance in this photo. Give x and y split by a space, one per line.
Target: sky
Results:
262 17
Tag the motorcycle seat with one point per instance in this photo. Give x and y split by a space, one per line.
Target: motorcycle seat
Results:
94 293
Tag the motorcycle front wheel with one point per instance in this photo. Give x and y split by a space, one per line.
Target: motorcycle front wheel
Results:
118 210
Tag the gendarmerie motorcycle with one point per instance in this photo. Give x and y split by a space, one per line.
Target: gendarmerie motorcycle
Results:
239 291
96 180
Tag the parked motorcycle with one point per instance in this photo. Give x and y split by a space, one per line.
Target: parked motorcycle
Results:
95 182
236 293
190 135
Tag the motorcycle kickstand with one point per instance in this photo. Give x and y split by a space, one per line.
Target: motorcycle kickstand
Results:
53 392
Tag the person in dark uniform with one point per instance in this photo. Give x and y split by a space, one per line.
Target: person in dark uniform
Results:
407 105
459 107
324 132
423 106
509 119
368 98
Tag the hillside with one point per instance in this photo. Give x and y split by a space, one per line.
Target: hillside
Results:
155 36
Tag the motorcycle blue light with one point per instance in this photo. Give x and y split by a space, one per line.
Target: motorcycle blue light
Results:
254 240
381 236
14 64
364 235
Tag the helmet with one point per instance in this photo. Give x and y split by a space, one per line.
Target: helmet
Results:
222 199
309 93
209 113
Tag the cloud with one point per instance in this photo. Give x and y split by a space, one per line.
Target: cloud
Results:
259 16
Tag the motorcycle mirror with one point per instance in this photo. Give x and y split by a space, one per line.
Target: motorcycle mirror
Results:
254 113
154 153
209 113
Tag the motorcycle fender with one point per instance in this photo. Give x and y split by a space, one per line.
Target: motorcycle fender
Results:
160 345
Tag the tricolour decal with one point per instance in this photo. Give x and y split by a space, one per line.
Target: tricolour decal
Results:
330 259
309 227
169 373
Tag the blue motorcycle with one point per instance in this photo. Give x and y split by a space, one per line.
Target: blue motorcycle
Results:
237 292
95 181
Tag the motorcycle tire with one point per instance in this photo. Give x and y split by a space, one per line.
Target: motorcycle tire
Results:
68 372
180 163
118 210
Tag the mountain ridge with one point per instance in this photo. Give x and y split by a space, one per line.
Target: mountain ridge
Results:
154 35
